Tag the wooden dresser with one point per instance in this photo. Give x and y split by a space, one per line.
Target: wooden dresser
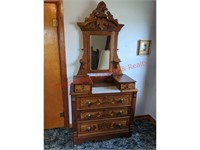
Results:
103 101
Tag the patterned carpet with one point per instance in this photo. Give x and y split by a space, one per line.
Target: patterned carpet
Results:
143 138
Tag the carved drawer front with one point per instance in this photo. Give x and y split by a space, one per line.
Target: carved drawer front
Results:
105 113
100 126
102 101
82 88
127 86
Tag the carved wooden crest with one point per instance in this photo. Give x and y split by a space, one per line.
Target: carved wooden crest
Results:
100 20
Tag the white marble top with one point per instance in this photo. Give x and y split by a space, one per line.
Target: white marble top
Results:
99 74
105 89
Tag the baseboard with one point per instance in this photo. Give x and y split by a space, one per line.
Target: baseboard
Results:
146 117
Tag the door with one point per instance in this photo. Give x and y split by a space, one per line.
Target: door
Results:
54 94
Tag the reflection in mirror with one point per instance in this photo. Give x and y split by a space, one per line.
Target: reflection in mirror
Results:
100 52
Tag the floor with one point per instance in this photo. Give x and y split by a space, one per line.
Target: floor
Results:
143 138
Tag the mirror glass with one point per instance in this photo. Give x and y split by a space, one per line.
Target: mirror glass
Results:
100 52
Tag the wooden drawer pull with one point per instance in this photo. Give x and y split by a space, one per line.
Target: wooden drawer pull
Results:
98 115
128 86
119 125
89 104
89 116
120 113
120 100
98 102
112 114
91 128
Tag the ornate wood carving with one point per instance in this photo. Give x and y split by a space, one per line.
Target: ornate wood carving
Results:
83 68
100 20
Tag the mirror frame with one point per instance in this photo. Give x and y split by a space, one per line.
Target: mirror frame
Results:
100 22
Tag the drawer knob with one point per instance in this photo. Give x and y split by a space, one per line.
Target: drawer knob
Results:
98 115
112 114
120 113
119 125
88 116
98 102
90 128
120 100
89 103
128 86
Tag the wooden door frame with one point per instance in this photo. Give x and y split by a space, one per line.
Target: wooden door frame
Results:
62 58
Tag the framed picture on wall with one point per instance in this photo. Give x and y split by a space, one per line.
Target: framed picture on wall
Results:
144 47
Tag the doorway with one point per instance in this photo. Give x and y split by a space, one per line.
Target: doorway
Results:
55 94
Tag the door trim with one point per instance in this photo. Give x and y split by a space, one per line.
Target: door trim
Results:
62 58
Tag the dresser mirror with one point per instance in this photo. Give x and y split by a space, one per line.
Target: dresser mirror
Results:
100 38
100 52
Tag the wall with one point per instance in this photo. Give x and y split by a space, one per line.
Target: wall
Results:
140 23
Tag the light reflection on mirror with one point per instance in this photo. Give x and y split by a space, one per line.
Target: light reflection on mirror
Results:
100 52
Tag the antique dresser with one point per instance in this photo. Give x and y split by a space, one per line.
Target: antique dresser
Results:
103 98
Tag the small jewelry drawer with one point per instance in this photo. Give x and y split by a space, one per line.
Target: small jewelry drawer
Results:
104 101
100 126
103 113
127 86
124 82
82 88
82 84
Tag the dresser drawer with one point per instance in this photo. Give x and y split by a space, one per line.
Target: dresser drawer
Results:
103 126
82 88
104 101
127 86
103 113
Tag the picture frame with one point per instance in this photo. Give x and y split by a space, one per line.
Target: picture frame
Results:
144 47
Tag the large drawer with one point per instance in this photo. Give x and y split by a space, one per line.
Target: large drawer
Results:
103 126
103 113
104 101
